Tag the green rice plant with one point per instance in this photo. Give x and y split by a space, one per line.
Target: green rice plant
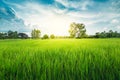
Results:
60 59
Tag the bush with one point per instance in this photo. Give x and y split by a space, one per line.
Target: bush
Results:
52 36
45 36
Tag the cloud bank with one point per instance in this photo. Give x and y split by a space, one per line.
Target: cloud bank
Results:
55 16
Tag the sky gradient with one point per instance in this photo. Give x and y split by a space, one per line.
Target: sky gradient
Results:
55 16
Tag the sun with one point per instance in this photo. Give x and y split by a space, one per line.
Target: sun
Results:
51 24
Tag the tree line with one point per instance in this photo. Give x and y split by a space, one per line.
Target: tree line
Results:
76 30
13 35
35 34
104 34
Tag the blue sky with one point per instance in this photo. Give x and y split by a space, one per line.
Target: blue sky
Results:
55 16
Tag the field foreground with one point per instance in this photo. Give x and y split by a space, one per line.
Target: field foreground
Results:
60 59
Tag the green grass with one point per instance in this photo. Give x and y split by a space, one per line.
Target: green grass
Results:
60 59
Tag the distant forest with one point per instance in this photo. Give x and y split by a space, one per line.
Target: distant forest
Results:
15 35
77 30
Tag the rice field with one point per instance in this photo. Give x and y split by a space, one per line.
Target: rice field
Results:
60 59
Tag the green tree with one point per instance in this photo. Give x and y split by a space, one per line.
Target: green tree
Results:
52 36
45 36
22 36
109 34
97 35
35 34
77 30
15 34
3 35
12 34
103 35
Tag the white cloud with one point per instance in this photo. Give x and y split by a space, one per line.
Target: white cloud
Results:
80 4
115 21
52 20
3 10
47 19
118 27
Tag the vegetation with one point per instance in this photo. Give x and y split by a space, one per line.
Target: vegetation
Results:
3 35
45 36
52 36
22 35
13 35
109 34
35 34
77 30
68 59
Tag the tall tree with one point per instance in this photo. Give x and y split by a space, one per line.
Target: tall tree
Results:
35 33
12 34
15 34
45 36
109 34
77 30
22 35
52 36
3 35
